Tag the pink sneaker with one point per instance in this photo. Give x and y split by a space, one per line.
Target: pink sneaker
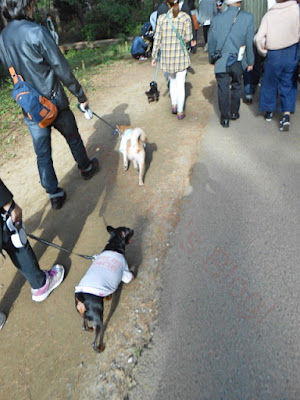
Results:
54 278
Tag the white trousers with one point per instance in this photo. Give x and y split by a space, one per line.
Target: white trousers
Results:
177 89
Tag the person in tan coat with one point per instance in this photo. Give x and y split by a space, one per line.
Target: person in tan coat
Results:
278 40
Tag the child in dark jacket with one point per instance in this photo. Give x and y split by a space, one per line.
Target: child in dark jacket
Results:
139 48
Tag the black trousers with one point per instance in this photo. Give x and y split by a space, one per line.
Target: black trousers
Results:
229 89
25 260
205 32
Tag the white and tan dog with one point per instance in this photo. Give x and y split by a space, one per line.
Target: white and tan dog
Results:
132 145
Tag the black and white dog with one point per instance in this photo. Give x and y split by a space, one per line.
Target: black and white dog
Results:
101 280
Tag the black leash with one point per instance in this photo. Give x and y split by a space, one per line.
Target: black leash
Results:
103 120
88 113
59 247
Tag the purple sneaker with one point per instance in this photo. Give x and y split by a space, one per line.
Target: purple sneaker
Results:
54 278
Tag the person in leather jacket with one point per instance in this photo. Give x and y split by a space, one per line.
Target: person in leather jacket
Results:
33 53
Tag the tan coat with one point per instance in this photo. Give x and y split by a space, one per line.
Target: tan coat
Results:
279 28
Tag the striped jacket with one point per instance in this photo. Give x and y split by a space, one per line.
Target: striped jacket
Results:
173 58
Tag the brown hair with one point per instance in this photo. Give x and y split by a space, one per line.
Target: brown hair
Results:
174 4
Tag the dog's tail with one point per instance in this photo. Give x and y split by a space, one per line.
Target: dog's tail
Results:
138 134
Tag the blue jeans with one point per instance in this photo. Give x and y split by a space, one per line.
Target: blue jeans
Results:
252 78
65 123
280 77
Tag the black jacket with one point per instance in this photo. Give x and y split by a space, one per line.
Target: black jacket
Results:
34 55
5 197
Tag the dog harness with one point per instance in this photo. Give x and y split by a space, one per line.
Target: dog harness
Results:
105 274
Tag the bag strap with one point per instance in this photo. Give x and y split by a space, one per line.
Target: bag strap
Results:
157 64
183 47
233 22
13 74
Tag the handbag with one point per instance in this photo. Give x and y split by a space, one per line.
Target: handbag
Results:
38 108
217 54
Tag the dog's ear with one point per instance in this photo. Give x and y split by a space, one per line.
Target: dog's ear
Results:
127 234
110 229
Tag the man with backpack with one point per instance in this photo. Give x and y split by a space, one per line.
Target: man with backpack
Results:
30 49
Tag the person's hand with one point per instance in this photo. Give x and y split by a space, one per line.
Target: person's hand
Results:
250 68
16 214
193 43
153 63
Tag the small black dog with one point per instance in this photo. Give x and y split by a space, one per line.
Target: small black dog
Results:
153 93
101 280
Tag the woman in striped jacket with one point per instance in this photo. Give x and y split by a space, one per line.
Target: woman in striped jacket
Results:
173 31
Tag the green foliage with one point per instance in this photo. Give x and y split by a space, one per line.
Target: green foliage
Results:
90 31
97 19
10 117
115 16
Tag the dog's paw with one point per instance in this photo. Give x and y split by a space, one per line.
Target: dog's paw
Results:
87 328
125 167
99 349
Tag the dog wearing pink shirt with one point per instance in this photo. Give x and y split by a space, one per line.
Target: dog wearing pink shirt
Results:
101 280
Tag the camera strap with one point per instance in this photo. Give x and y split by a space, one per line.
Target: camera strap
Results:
233 22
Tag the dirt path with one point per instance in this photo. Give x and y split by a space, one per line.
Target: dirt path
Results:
44 353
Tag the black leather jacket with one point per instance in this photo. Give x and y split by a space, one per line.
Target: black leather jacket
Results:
5 197
34 55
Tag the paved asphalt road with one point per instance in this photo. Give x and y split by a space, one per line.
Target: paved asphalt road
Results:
229 318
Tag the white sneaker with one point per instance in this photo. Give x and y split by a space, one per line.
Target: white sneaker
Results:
205 48
54 278
2 320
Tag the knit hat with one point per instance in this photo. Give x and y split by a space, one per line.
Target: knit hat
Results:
229 2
